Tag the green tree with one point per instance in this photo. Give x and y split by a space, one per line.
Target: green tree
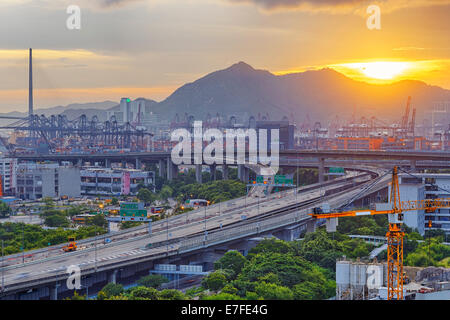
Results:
73 211
289 269
152 281
165 193
56 220
129 224
145 195
76 296
271 291
222 296
5 210
270 245
99 220
114 201
48 202
215 281
111 290
171 294
141 292
309 290
317 247
232 260
229 289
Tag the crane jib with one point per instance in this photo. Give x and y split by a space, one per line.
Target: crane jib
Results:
363 213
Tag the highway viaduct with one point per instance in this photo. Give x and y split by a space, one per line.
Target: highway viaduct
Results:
288 158
284 217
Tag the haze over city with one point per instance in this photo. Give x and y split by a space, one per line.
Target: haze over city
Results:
150 48
251 150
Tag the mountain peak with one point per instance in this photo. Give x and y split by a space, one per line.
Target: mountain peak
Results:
241 66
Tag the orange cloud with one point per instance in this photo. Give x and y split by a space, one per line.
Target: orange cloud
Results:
16 100
340 6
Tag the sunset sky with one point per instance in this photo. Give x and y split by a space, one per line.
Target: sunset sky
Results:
148 48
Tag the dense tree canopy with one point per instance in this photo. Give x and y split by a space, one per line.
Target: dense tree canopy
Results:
152 281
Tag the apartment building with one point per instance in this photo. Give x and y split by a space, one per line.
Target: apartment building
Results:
105 181
36 181
426 186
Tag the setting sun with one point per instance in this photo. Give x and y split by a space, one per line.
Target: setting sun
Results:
381 70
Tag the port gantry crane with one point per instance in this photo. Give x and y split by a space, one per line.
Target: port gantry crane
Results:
394 210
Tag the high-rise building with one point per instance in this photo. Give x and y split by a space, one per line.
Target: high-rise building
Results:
36 181
8 168
426 186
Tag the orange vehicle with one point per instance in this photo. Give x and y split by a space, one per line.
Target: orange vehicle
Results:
72 246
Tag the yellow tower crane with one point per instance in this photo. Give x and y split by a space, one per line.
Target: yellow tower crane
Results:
394 210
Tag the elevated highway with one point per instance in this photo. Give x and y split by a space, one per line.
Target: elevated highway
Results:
184 234
301 154
410 159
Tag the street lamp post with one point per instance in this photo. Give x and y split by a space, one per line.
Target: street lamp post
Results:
3 267
258 206
296 185
205 224
87 288
95 245
167 232
23 243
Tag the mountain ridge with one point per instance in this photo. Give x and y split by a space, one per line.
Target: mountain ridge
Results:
244 91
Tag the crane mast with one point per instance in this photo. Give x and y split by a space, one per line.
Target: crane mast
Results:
395 211
395 243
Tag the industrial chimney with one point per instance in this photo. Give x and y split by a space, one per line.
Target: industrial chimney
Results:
30 86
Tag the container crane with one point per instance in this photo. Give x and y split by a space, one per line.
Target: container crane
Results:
404 124
394 210
412 124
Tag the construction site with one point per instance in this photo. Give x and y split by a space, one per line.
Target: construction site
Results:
359 280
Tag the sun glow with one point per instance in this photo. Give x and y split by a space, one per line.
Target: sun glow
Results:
377 70
381 70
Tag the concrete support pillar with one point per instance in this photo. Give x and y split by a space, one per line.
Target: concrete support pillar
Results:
54 291
113 276
225 172
246 174
169 170
212 169
124 163
172 169
80 162
162 168
198 173
241 172
331 224
311 225
412 165
138 164
107 163
321 170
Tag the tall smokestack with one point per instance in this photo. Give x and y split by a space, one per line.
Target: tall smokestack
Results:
30 86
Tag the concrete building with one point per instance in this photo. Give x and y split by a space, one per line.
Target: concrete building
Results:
104 181
358 280
425 186
286 133
138 111
8 169
36 181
